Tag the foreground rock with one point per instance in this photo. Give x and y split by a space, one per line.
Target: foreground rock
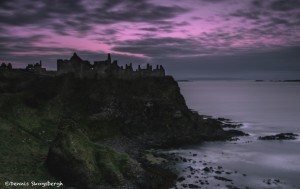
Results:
79 163
281 136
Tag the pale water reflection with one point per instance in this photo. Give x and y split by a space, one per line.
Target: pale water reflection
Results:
264 108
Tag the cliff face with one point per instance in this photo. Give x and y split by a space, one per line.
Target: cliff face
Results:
150 111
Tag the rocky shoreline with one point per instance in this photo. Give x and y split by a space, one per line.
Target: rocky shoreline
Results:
147 168
153 160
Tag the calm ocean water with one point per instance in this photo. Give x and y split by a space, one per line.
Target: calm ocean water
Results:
263 108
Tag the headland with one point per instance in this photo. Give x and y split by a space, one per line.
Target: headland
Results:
93 126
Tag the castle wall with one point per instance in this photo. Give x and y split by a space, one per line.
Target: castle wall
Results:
100 69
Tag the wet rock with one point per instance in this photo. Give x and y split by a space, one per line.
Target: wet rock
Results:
276 180
232 187
191 168
271 181
223 119
234 133
180 179
193 186
222 178
281 136
184 185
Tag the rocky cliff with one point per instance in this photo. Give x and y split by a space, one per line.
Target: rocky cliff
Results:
148 112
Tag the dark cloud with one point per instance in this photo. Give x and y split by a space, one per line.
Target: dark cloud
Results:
10 44
165 27
272 18
179 47
248 14
56 15
280 21
196 18
77 16
185 23
277 5
28 40
150 29
258 9
285 5
258 3
135 11
157 47
213 1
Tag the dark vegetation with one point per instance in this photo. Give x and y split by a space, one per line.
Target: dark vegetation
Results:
69 115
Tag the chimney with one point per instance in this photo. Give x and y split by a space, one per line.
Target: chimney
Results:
109 58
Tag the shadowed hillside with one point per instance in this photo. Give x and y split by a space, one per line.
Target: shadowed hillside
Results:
149 111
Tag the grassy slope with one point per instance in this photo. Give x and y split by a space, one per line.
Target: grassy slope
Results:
25 132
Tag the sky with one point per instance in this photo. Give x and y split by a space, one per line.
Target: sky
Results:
192 39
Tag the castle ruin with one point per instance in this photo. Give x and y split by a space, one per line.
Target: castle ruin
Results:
84 69
37 67
105 68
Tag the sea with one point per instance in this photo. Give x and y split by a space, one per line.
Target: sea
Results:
263 108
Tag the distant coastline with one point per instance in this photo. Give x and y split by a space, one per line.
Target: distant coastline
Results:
289 80
183 80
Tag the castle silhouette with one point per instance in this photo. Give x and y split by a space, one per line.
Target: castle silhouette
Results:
105 68
100 69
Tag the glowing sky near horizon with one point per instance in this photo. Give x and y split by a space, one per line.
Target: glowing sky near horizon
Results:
145 30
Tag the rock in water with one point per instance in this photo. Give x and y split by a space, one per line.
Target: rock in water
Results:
281 136
78 162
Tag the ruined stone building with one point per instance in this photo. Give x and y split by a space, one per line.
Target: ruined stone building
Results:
99 69
37 67
105 68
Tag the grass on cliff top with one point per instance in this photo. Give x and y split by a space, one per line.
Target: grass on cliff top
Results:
22 156
25 134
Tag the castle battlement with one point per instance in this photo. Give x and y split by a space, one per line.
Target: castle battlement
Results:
99 69
105 68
